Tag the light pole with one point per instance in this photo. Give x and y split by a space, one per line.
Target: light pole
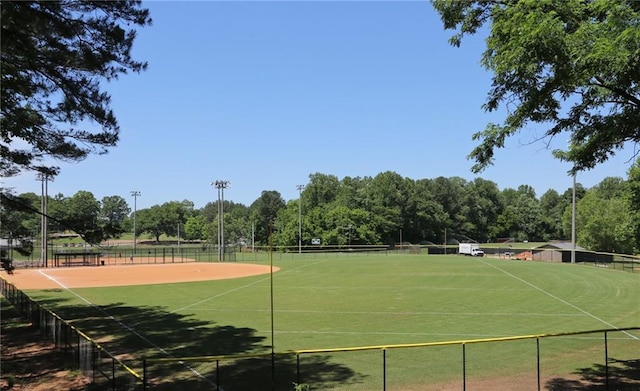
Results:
300 188
135 195
348 228
221 185
445 241
573 221
573 212
45 178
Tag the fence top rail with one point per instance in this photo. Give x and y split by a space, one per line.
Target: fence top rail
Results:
214 358
464 342
383 347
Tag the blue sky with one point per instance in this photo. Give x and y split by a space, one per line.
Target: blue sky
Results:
263 94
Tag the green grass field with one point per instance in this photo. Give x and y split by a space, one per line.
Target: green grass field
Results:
335 301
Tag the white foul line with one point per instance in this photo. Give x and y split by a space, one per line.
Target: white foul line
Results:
216 296
240 287
122 325
558 298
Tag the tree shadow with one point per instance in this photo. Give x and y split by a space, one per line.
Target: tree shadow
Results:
260 373
27 359
132 334
621 375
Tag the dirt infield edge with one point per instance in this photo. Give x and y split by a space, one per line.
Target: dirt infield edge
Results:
136 274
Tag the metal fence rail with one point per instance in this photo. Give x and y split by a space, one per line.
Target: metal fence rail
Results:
86 355
386 365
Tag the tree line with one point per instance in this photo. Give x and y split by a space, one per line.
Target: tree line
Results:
352 211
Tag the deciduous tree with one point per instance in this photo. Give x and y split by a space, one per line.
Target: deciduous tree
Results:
603 224
633 183
264 211
565 65
114 211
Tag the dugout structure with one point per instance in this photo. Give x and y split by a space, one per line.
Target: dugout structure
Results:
76 258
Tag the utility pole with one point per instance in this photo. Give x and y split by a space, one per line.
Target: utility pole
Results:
300 188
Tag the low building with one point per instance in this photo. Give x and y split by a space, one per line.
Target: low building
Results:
561 252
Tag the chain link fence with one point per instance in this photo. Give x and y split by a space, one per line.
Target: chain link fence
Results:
596 359
82 353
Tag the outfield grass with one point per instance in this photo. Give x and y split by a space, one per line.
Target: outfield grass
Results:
337 301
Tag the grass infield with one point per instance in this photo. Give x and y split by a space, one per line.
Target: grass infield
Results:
338 301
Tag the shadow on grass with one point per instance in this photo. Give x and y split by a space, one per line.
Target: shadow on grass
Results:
621 375
258 374
135 333
27 361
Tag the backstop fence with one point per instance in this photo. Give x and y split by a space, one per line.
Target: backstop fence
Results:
597 359
71 257
79 350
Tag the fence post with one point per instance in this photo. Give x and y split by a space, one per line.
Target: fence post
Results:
144 374
384 369
218 373
606 362
94 363
65 338
464 366
538 359
79 363
298 367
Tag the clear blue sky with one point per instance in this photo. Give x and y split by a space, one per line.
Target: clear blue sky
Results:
263 94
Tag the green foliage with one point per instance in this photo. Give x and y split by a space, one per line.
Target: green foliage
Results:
81 213
17 218
195 228
566 65
633 195
603 223
55 55
482 198
114 211
321 189
163 219
263 214
552 207
361 211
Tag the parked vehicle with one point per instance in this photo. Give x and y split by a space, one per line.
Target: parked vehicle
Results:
470 249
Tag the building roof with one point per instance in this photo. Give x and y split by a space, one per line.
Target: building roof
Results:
560 246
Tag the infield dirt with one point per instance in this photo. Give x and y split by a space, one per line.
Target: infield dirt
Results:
123 275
